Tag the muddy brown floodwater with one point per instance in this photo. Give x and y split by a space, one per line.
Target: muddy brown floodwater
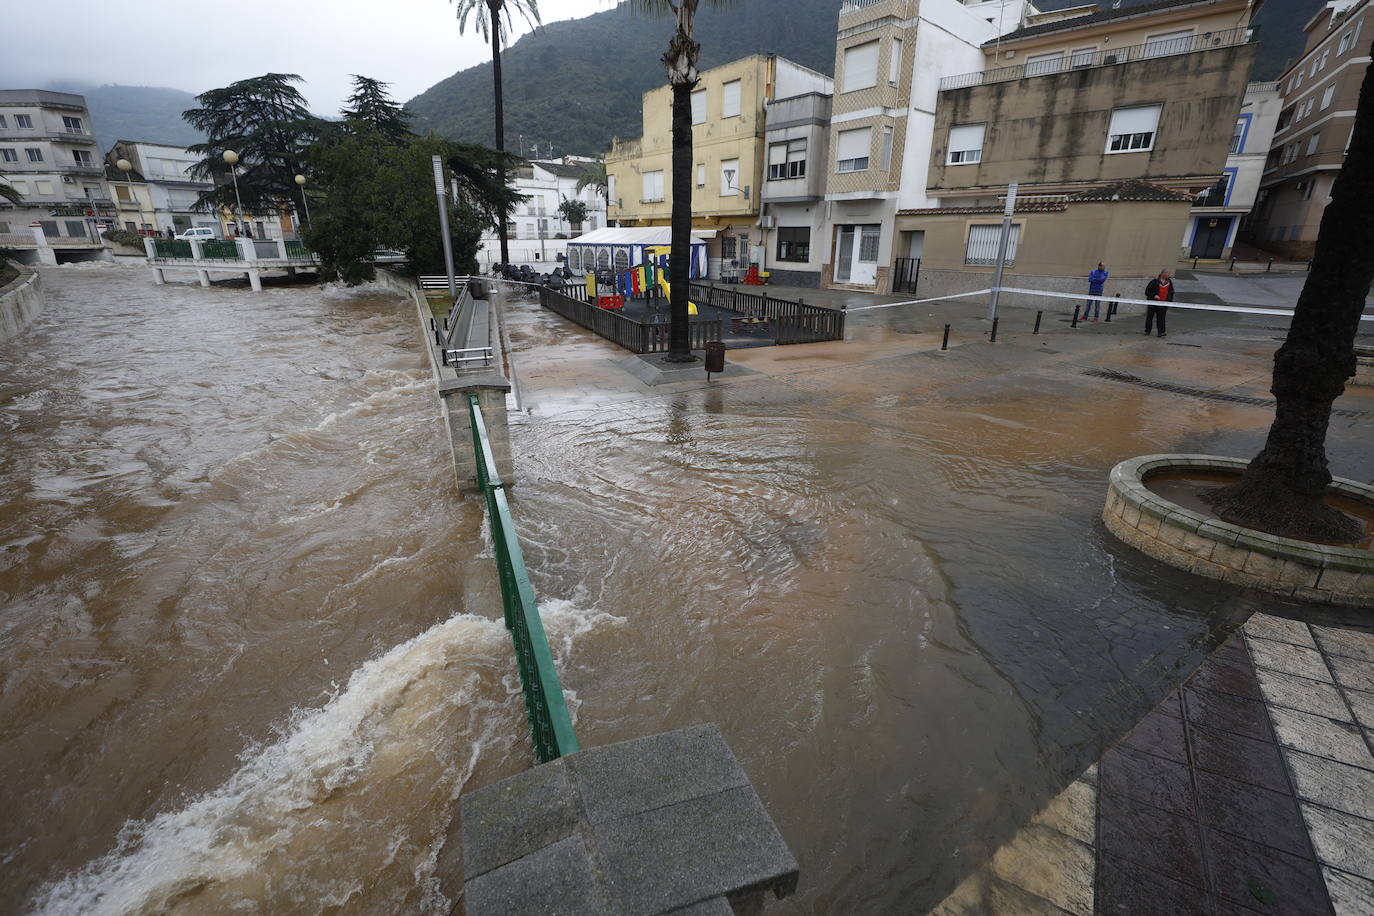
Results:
250 648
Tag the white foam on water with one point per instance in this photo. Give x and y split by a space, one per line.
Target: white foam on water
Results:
350 807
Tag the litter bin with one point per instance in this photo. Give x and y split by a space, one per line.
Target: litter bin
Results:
477 288
715 357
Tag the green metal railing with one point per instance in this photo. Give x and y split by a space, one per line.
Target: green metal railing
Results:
550 724
172 248
296 250
219 250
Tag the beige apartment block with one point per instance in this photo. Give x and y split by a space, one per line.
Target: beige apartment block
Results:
1120 117
1320 91
729 156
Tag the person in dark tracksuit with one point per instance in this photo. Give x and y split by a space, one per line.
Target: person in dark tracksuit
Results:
1160 289
1097 280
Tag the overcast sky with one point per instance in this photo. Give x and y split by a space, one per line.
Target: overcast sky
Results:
201 44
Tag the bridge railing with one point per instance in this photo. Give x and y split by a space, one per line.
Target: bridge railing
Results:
550 724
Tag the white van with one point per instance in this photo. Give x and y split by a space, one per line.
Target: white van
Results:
200 234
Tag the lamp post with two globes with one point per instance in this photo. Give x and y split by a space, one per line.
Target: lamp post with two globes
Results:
300 182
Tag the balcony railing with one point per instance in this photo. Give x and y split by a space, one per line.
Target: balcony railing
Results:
849 6
1150 50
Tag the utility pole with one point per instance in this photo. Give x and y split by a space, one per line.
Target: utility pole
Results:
443 224
1002 244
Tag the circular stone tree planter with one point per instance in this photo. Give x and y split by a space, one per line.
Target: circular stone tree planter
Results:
1207 546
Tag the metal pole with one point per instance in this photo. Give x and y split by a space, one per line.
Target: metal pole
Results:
307 207
1074 323
1002 249
238 217
443 225
994 330
1039 315
944 344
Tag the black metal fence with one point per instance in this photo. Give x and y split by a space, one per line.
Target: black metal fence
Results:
905 273
635 336
795 322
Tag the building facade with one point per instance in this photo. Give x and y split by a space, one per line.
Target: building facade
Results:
1320 92
792 217
1114 119
1220 211
133 201
49 154
173 190
537 233
728 134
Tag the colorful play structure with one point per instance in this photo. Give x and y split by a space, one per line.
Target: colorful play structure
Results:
640 280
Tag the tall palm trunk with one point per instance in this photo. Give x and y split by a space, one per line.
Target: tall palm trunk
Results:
681 61
1283 487
495 7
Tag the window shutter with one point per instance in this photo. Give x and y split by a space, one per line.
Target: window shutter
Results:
777 154
983 241
699 107
853 144
965 140
861 66
1134 120
729 99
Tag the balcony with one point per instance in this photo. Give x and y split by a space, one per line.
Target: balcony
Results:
73 136
852 6
1207 41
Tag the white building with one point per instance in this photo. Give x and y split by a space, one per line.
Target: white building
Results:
1219 211
49 155
174 190
537 233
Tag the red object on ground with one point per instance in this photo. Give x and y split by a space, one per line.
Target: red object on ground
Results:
752 278
611 302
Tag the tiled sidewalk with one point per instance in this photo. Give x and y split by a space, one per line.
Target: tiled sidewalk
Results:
1249 789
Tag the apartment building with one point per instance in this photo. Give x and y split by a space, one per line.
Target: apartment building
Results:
792 211
1220 210
1320 91
536 231
173 190
728 136
49 154
1112 123
133 200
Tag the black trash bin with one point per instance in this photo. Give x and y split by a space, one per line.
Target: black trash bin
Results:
715 357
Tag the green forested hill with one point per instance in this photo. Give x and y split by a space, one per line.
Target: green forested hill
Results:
578 83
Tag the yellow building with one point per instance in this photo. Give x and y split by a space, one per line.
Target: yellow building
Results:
728 150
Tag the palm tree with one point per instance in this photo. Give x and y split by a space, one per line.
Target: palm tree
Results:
488 16
8 191
681 62
594 176
1284 486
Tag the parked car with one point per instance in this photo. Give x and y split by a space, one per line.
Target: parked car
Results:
200 234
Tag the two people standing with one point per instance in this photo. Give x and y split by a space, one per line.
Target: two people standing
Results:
1158 290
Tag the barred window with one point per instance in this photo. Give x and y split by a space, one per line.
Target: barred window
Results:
983 240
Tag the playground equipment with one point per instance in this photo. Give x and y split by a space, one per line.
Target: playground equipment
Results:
653 272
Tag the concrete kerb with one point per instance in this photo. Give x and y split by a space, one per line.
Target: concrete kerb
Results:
1220 550
21 301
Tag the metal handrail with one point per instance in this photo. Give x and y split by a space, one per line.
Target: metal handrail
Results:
1206 41
550 724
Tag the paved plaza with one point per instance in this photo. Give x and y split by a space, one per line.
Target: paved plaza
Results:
1249 787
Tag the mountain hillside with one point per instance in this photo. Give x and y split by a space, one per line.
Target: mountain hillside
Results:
151 113
578 83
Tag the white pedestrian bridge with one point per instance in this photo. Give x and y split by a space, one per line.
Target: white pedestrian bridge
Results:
248 256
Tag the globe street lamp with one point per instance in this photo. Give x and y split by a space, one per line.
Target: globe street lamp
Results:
300 181
232 159
125 166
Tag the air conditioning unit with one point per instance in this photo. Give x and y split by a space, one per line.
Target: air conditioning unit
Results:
67 179
767 222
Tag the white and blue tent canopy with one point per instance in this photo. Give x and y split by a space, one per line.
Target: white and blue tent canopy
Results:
621 247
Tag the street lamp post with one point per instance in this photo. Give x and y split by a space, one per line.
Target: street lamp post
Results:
300 181
232 159
125 166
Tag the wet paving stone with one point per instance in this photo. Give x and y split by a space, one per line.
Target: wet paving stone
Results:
1245 759
1151 838
1251 812
1145 778
1227 712
1227 677
1265 879
1126 889
1159 734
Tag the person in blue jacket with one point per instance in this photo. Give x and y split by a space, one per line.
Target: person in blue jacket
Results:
1097 281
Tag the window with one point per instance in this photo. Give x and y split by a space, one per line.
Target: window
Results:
983 241
861 66
1297 80
1083 57
729 177
43 188
35 155
4 125
21 186
1326 55
885 157
23 122
851 150
1326 96
1169 43
894 63
699 107
82 157
727 247
130 225
1313 141
965 144
1238 137
701 174
794 243
8 155
787 159
122 194
653 187
75 228
1340 49
73 124
1307 187
611 199
869 237
729 99
1038 64
1133 129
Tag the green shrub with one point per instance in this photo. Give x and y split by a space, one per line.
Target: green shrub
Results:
125 237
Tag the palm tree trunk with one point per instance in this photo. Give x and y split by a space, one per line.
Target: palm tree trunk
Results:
495 7
679 264
1283 489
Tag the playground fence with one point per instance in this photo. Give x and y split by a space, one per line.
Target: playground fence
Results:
634 336
796 322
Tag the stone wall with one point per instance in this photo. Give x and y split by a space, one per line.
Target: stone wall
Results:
1364 367
20 303
1240 556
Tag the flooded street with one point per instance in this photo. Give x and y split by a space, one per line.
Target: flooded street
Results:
250 648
